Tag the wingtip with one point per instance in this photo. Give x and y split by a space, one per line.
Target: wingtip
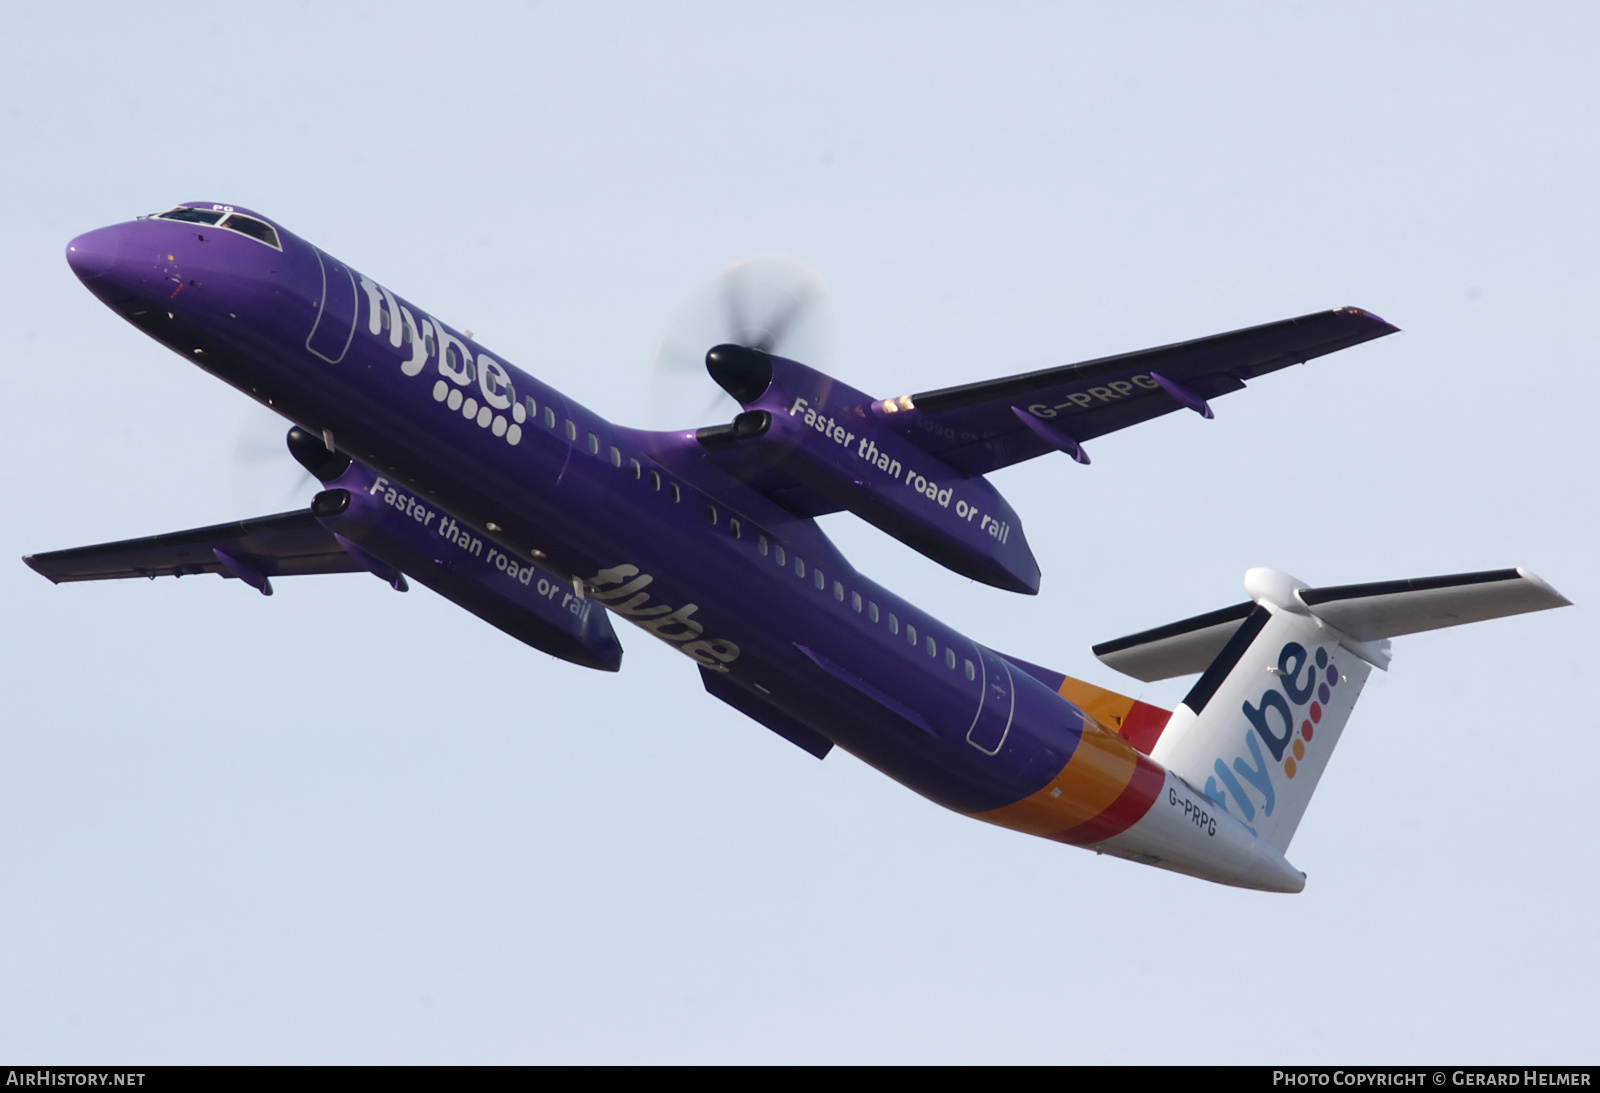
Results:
1558 600
1388 327
32 562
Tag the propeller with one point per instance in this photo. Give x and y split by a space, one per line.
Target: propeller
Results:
773 304
262 477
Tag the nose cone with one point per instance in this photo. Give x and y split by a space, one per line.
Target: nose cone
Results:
93 254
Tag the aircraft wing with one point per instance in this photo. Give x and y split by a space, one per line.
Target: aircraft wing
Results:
980 427
289 544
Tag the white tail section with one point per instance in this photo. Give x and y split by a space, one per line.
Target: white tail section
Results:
1255 732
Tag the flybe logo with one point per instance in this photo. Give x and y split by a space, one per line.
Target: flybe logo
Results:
476 386
622 589
1283 723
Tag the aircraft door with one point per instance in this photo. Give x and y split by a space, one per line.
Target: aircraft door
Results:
997 705
335 324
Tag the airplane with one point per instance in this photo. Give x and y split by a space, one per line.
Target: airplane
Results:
442 463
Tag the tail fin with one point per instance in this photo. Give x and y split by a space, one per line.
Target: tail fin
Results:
1285 669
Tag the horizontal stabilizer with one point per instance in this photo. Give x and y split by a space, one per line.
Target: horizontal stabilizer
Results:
1367 613
1390 609
290 544
1178 649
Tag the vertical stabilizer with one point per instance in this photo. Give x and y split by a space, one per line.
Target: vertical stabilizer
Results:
1256 731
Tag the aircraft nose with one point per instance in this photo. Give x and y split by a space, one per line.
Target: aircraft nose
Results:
93 253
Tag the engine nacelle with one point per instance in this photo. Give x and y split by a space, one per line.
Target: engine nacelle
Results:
388 524
830 438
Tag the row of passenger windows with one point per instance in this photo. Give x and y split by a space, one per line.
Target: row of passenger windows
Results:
569 429
819 580
766 549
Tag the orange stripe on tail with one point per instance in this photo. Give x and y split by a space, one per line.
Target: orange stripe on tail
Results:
1104 788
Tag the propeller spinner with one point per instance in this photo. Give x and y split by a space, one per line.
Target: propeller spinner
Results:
773 305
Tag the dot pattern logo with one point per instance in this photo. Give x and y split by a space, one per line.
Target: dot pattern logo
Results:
1308 727
472 410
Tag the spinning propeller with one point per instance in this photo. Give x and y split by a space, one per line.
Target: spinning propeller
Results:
261 478
773 304
776 305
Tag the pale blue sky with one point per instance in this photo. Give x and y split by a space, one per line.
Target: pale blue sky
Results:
346 825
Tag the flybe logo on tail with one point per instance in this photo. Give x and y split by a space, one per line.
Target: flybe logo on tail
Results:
1283 723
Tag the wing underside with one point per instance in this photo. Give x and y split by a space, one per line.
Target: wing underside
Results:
976 428
290 544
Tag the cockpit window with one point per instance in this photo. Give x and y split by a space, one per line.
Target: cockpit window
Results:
255 228
192 216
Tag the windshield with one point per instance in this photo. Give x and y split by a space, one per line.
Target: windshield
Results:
251 226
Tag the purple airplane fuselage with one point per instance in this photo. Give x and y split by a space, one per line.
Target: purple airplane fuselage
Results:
476 478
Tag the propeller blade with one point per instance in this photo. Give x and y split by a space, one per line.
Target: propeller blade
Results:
261 475
776 305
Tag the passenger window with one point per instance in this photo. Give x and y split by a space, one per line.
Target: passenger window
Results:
972 673
733 526
761 546
855 601
616 456
655 481
636 467
872 612
799 566
676 496
949 658
838 591
594 444
894 623
818 579
911 634
572 430
777 554
711 514
460 366
549 414
932 647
